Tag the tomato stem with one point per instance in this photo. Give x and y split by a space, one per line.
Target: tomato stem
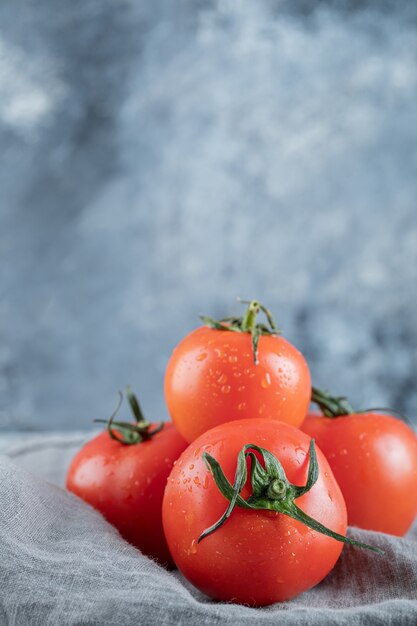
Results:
338 406
271 490
125 432
246 324
331 406
249 319
135 406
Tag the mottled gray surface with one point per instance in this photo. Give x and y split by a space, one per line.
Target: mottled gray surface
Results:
160 158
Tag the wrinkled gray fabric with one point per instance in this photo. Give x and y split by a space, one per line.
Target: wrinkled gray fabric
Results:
62 564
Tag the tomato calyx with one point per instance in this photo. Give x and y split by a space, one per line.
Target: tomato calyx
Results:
247 324
339 406
125 432
271 490
331 406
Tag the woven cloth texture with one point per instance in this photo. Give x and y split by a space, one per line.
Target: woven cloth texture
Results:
62 563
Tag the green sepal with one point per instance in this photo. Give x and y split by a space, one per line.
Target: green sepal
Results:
339 406
258 476
125 432
212 323
246 324
313 473
296 513
231 493
271 490
331 406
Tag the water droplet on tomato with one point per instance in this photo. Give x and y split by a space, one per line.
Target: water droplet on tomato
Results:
241 406
222 379
300 455
193 547
225 389
191 466
237 374
241 388
266 380
206 482
232 358
196 481
218 352
196 452
201 356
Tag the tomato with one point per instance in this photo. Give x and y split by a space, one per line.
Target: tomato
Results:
374 459
126 482
212 378
256 556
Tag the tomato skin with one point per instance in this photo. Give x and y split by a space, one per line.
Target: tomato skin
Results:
374 460
126 484
256 557
211 378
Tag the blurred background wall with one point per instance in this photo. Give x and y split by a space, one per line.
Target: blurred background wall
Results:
158 159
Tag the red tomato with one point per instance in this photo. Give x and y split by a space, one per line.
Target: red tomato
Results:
212 378
126 484
374 460
256 557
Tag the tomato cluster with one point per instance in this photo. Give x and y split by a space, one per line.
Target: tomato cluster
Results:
236 483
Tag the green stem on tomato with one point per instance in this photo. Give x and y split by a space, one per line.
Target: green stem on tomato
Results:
249 318
338 406
271 490
125 432
247 324
331 406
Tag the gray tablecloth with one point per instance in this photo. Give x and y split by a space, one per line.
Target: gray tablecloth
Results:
61 564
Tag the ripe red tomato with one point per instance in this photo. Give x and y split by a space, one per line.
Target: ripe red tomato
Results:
126 482
256 557
374 460
212 377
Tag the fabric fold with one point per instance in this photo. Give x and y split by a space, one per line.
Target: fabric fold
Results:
62 563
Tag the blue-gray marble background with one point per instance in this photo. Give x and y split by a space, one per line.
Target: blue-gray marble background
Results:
158 159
